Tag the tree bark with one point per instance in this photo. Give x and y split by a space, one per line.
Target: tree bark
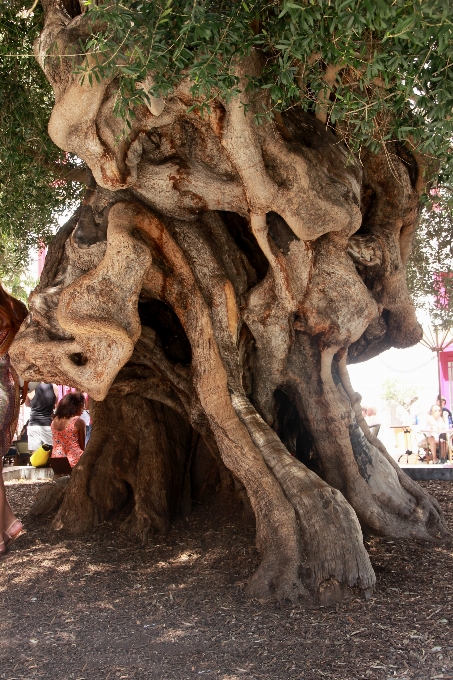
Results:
145 454
208 295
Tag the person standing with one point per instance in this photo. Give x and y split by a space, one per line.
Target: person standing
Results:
42 403
12 313
87 419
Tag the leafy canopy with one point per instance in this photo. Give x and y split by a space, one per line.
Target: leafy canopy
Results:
391 61
396 389
32 190
376 70
430 268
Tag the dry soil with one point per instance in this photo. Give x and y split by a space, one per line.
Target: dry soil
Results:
106 608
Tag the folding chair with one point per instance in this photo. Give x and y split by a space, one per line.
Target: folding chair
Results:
9 457
375 430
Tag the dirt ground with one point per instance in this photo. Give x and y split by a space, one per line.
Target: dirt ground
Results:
105 608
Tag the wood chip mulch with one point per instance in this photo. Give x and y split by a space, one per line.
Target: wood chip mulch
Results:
105 608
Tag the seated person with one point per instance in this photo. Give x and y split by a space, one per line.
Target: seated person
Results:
68 428
371 418
435 429
446 413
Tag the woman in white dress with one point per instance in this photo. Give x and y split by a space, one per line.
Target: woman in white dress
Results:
436 426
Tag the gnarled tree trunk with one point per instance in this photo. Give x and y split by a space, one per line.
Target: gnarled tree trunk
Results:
208 295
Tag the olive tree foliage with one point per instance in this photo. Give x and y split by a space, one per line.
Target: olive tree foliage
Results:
379 71
430 268
400 391
256 172
34 172
374 71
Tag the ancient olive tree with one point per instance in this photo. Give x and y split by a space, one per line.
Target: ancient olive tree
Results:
255 171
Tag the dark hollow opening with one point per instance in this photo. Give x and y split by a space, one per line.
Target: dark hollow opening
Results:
162 319
88 231
281 233
292 432
240 232
78 359
72 7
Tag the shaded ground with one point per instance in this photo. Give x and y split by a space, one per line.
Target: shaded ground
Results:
105 608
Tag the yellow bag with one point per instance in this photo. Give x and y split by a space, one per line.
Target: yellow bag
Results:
40 457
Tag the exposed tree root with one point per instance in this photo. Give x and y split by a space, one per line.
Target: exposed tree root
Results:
138 449
49 498
385 501
332 545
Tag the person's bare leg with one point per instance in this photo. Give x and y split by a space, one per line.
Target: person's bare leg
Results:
432 448
2 507
8 521
442 449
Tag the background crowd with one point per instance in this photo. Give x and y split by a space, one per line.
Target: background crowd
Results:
428 435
